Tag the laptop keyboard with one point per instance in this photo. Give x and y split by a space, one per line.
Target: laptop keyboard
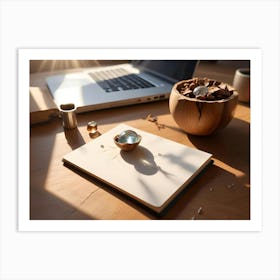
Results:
119 79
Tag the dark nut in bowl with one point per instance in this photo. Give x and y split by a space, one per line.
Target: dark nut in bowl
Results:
201 106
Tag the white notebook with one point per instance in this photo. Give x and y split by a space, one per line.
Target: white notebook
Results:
153 174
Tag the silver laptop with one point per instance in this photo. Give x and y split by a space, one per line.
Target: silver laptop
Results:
119 85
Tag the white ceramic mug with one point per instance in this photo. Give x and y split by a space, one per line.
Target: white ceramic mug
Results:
241 82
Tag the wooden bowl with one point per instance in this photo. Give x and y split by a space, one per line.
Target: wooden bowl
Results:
201 117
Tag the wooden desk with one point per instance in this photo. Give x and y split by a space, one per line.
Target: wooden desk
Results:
56 192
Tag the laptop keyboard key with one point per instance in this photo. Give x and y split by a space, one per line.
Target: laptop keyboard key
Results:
119 79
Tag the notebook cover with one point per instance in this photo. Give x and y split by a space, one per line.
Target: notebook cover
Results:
153 174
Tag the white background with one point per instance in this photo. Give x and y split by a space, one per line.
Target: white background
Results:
150 255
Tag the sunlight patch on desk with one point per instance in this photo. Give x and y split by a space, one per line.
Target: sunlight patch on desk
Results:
230 169
242 114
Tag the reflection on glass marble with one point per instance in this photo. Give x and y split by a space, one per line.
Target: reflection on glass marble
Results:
200 91
128 136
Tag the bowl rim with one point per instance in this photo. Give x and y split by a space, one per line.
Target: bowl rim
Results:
234 94
126 146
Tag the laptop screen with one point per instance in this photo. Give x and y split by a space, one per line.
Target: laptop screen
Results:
175 69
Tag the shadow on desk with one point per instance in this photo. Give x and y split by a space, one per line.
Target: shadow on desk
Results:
46 206
126 113
74 138
217 199
230 145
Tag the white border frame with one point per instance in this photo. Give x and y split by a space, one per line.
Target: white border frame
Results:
25 224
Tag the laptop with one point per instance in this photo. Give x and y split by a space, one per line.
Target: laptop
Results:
119 85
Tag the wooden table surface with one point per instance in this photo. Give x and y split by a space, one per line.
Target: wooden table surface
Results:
57 192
